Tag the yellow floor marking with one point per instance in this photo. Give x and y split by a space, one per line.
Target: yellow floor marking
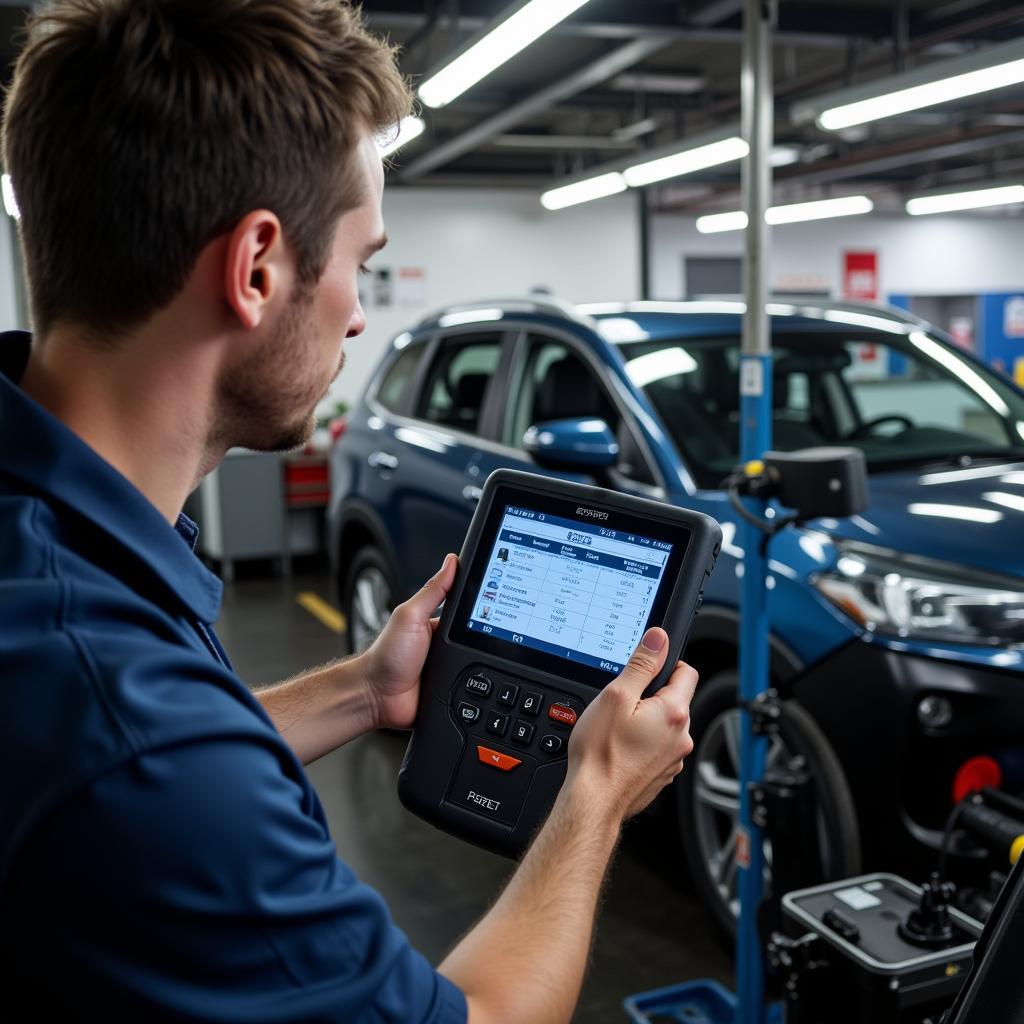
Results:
320 609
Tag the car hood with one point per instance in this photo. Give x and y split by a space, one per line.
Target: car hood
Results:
972 516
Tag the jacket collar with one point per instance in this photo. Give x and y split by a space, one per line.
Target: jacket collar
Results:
37 449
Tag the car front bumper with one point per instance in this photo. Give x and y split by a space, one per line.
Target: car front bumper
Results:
865 697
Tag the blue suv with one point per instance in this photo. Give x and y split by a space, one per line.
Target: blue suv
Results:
898 633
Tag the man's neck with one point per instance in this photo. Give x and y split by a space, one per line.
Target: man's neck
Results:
143 404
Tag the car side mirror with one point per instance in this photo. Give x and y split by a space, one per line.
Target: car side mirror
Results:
584 444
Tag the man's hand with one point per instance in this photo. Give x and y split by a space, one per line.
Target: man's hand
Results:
392 665
623 750
633 747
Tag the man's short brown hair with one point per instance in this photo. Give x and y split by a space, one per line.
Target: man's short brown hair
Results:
136 131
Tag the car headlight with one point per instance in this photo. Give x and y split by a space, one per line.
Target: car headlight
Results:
923 598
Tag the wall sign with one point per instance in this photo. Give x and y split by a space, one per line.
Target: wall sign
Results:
860 276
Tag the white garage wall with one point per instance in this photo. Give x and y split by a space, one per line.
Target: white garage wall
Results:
954 255
10 315
494 244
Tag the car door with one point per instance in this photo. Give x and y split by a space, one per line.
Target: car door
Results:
423 457
551 377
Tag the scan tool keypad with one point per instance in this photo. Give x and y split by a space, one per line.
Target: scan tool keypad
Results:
493 706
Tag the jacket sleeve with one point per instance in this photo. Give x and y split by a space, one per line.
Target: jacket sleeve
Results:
191 884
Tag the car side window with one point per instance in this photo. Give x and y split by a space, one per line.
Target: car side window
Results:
394 385
554 382
458 379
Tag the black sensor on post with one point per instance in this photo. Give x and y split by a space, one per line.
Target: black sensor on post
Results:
819 481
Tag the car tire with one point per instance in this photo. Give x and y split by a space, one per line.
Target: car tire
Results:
367 598
707 795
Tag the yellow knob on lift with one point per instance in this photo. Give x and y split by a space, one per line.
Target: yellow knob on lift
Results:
754 468
1016 849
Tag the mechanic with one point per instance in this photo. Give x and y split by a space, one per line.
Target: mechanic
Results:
199 188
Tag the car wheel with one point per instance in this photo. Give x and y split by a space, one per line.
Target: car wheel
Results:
708 796
367 598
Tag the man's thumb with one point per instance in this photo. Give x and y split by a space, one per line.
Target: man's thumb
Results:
435 590
646 661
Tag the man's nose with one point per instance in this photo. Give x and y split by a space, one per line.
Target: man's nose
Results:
357 324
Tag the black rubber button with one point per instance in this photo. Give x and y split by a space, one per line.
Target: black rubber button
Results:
479 684
522 732
497 724
532 703
507 694
468 713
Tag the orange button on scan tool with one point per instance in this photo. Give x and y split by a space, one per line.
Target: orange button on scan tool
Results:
560 713
496 760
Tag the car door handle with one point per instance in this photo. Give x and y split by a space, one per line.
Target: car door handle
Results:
382 460
471 493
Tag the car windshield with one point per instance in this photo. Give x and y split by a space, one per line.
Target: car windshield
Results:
904 399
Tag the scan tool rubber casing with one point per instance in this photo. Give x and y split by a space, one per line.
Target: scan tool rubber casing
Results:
444 777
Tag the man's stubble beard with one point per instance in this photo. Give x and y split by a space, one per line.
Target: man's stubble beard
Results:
269 403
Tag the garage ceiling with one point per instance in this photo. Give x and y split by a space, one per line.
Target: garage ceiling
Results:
623 76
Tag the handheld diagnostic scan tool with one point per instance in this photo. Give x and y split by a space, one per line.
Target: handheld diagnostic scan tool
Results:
557 583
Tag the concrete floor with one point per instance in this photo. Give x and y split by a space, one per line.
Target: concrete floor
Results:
652 931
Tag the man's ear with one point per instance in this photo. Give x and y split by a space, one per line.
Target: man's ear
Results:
254 266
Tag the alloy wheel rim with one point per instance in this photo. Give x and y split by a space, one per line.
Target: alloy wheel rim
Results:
717 804
371 607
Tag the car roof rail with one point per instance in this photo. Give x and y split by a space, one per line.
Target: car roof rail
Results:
486 310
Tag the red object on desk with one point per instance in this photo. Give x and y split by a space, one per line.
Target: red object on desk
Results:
306 481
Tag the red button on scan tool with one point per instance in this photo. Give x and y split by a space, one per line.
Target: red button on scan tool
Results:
497 760
560 713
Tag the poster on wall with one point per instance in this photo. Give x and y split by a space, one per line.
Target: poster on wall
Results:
1013 317
411 287
860 283
383 291
860 276
961 330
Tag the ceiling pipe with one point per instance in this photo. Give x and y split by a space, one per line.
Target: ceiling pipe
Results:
585 78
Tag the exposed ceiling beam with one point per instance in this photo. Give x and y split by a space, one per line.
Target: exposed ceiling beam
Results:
715 11
942 146
657 82
585 78
467 24
578 142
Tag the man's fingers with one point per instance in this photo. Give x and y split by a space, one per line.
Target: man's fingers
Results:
646 662
678 691
423 603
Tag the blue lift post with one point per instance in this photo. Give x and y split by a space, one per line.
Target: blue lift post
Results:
707 1002
755 440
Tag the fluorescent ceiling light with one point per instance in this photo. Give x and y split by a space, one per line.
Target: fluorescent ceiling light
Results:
394 138
470 316
783 156
583 191
820 209
686 162
10 202
974 200
502 43
666 362
961 369
994 68
712 223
